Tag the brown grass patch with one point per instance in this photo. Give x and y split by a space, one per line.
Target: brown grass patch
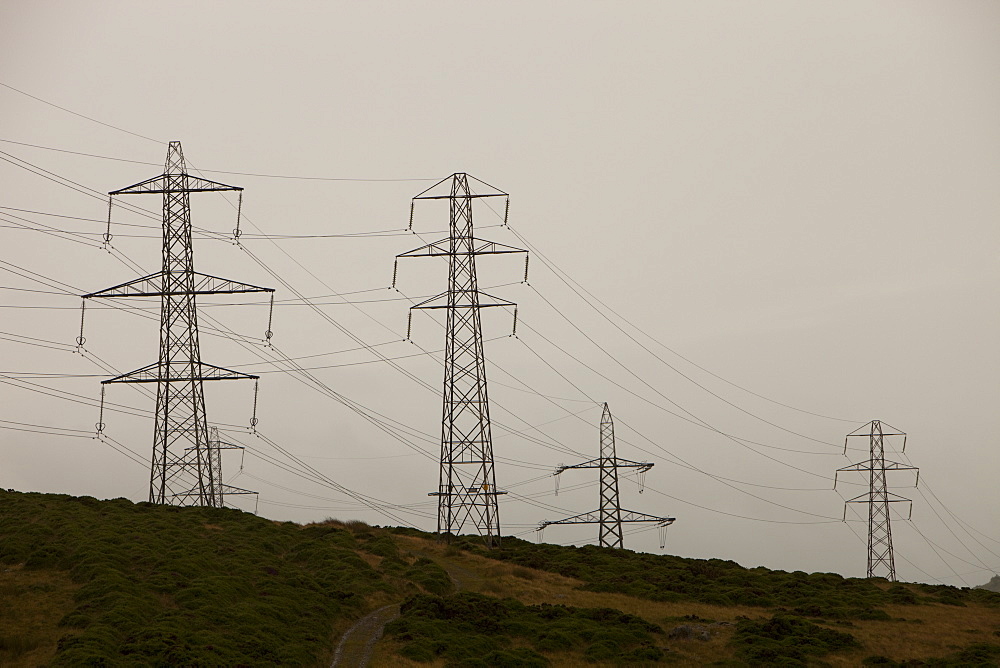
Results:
32 602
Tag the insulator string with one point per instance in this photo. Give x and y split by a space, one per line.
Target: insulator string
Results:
514 330
107 234
410 228
80 340
239 212
395 270
253 420
506 212
409 324
526 257
270 319
100 414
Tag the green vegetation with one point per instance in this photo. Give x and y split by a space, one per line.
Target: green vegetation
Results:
726 583
471 630
185 586
978 654
784 640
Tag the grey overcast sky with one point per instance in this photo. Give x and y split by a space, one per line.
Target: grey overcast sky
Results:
759 225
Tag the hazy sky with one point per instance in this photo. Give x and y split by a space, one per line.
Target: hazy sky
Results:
798 198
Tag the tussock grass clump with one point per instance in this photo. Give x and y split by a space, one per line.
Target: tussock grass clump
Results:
472 630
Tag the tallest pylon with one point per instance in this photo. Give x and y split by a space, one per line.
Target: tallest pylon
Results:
182 471
467 491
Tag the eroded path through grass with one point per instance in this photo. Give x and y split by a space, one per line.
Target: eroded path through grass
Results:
355 647
358 642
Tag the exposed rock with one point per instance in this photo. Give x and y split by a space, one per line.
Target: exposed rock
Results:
689 632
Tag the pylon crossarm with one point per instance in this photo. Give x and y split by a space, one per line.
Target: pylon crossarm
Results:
435 302
592 464
630 516
221 445
151 374
625 463
229 489
889 498
470 196
160 185
867 425
152 286
429 250
479 247
868 499
146 286
592 517
868 466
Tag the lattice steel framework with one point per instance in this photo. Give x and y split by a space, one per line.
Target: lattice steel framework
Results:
610 515
186 469
878 498
467 491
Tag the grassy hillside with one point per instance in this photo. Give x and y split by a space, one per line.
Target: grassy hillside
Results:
87 582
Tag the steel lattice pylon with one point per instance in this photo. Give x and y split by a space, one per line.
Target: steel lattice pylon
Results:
186 468
467 491
610 515
878 498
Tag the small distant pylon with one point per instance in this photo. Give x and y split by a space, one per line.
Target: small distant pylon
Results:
610 516
215 447
467 490
878 498
183 471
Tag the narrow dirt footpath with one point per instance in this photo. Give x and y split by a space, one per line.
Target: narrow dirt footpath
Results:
355 647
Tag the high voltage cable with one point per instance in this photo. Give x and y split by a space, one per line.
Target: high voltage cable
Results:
559 273
211 171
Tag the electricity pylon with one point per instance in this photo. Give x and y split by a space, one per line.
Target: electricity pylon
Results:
467 491
215 447
183 471
878 498
610 515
